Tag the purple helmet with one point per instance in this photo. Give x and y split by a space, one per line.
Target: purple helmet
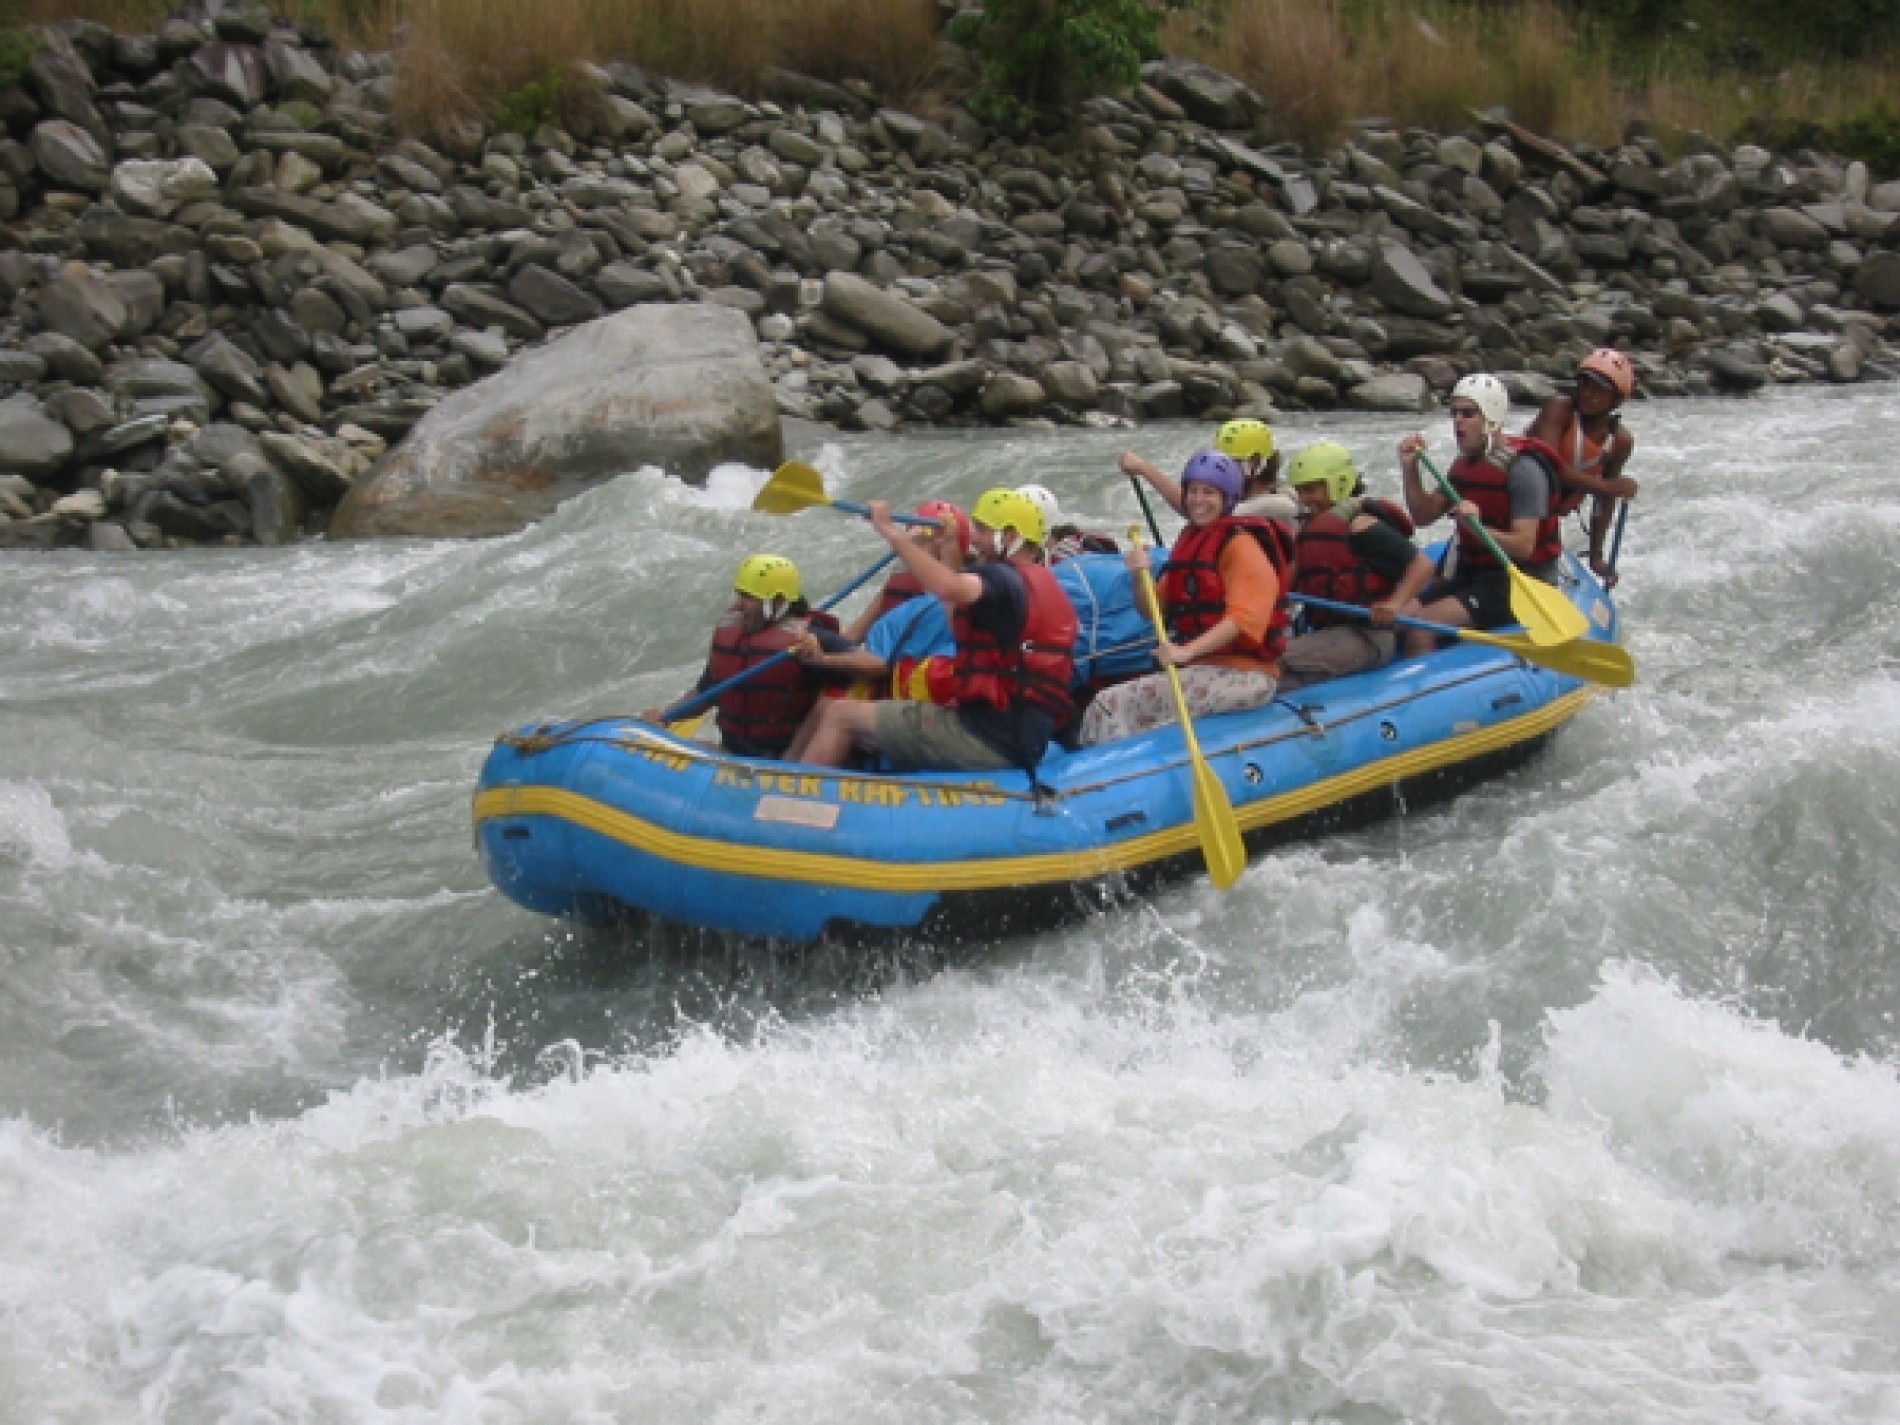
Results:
1223 472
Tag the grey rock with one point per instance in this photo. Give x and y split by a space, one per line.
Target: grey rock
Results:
1009 394
621 284
291 387
1218 100
107 537
145 428
681 387
1845 362
295 73
551 298
80 410
1395 391
83 309
1790 227
794 147
232 72
1305 356
142 295
1737 370
1780 313
69 156
21 368
227 369
890 320
278 503
1233 271
209 145
1878 280
405 266
958 378
478 307
32 443
427 326
1071 384
1400 280
157 188
322 468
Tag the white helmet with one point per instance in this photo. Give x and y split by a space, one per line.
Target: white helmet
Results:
1043 498
1487 393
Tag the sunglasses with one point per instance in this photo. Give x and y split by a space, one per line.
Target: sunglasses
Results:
1465 413
1591 378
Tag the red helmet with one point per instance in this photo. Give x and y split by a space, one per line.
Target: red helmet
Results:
944 510
1612 366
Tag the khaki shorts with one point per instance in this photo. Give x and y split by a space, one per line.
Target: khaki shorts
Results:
919 736
1333 653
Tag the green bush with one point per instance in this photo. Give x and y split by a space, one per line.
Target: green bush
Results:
16 49
535 103
1038 57
1873 138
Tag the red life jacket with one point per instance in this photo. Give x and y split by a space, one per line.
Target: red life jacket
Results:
900 588
1575 454
762 714
1488 486
1037 669
1328 569
1194 598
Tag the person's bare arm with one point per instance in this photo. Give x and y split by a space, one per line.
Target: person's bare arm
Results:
954 587
1165 484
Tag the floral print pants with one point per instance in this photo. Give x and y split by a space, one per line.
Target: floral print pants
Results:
1128 708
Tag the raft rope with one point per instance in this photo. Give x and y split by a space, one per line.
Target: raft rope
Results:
544 738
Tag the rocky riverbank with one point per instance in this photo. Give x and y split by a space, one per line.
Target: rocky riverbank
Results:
230 287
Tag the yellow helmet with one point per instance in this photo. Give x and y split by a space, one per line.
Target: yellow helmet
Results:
767 577
1010 509
1244 438
1327 461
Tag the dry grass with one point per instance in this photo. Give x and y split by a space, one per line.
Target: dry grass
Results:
891 44
1552 76
1294 54
1679 102
1317 63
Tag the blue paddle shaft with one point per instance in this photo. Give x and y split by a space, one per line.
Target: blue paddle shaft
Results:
1358 611
710 696
855 509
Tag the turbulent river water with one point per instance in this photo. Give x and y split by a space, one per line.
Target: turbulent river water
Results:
1573 1099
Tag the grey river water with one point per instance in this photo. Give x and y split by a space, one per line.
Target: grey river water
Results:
1574 1099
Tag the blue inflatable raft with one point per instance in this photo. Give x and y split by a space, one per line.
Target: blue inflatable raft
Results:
600 818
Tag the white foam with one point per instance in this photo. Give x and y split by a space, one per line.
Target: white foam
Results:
1793 1149
32 829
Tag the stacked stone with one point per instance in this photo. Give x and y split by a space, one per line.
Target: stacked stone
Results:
228 284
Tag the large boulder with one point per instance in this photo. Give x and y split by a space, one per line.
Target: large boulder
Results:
680 387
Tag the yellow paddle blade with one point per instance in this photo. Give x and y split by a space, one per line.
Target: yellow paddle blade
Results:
1548 617
1606 663
794 486
1214 820
1221 846
687 727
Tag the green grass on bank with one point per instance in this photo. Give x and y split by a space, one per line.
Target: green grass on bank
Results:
1818 71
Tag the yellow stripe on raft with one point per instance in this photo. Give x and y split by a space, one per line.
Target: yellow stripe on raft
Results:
828 869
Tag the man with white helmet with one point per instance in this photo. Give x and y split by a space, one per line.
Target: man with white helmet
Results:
1512 494
1352 549
1063 541
1015 637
